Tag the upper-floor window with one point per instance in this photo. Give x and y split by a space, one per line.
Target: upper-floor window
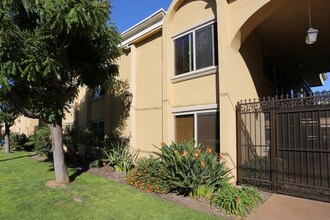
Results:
195 50
98 91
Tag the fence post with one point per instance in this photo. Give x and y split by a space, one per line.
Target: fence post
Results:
273 143
238 143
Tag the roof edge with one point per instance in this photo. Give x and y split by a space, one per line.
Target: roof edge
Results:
151 22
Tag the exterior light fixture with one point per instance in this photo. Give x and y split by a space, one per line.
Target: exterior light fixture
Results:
311 35
128 97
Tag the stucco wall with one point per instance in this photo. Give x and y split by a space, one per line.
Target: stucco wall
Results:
25 125
149 93
182 17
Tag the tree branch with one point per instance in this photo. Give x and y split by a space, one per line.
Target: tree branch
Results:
18 103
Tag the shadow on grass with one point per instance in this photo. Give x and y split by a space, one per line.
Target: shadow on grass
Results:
73 176
79 168
78 173
15 158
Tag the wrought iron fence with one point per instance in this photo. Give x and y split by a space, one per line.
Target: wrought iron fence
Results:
284 144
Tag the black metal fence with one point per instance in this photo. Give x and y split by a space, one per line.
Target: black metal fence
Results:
284 144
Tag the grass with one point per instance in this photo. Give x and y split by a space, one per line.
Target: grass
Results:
23 195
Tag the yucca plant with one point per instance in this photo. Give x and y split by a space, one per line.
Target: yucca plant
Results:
119 156
189 167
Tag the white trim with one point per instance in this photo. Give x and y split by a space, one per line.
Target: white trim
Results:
160 11
195 74
133 85
201 24
98 97
147 25
134 37
196 128
194 109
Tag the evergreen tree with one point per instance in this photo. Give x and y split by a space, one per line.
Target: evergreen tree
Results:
48 49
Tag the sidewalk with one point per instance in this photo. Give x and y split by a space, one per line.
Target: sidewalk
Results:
281 207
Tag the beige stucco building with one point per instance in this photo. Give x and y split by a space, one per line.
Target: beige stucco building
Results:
187 68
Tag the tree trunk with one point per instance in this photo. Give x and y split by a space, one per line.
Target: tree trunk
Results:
61 170
7 140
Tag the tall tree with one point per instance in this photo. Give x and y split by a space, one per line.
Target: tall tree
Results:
48 49
8 114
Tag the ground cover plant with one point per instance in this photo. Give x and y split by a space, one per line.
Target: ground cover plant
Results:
24 195
236 201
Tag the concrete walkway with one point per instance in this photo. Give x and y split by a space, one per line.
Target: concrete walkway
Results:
280 207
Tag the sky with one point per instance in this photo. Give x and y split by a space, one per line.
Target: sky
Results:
126 13
326 85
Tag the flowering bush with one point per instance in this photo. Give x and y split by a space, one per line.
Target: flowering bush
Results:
236 201
191 169
149 175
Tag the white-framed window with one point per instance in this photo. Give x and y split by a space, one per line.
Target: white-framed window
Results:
98 91
68 127
98 129
200 126
194 51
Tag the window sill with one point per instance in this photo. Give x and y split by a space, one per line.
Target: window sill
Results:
95 98
195 74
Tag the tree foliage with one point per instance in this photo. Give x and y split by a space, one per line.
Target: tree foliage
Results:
48 48
8 114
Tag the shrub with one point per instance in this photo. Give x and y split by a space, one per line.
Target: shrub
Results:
149 175
119 156
95 163
41 140
236 201
17 141
82 144
190 168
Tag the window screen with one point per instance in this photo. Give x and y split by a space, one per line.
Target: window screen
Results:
204 47
184 54
208 130
184 127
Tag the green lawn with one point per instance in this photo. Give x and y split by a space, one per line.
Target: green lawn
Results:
23 195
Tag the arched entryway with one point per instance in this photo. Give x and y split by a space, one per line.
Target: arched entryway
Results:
284 140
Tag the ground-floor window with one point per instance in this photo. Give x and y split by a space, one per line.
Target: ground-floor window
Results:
98 129
68 127
203 127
